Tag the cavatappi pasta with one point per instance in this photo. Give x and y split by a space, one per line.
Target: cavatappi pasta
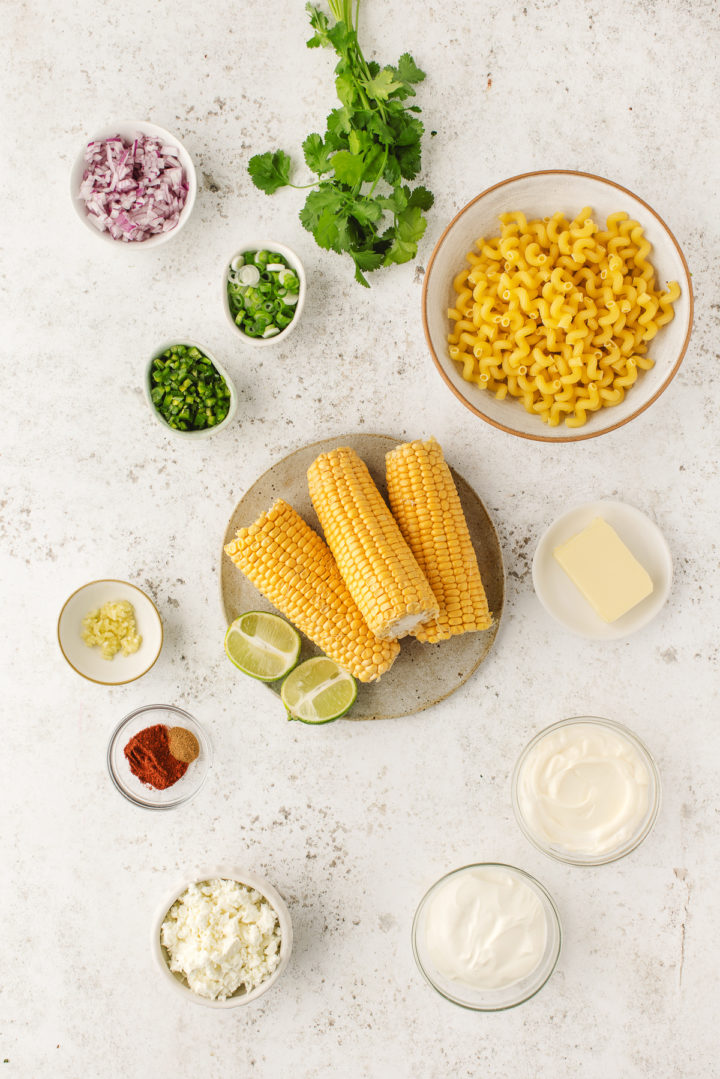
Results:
559 313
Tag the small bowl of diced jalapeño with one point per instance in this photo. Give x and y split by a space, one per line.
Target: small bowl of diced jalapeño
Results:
264 292
188 391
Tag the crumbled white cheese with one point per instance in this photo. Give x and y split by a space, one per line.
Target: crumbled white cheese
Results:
222 935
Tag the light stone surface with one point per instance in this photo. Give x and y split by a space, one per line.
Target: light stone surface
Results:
352 822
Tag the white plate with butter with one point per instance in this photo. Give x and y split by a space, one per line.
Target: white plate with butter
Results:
565 601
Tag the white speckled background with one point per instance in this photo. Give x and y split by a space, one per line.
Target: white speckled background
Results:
352 822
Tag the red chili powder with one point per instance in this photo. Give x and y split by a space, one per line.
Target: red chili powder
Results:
150 759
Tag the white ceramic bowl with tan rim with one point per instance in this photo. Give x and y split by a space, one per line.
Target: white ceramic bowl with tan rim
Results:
129 130
87 661
177 983
293 260
541 194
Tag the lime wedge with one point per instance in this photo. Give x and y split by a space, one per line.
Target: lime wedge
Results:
318 691
262 645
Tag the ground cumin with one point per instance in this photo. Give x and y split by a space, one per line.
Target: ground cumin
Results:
148 754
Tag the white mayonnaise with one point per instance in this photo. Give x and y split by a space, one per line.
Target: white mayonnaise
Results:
485 927
583 788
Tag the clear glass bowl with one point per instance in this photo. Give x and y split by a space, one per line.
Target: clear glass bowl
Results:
499 999
129 785
644 825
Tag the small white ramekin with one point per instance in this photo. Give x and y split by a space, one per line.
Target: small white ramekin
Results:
295 264
128 130
177 983
205 432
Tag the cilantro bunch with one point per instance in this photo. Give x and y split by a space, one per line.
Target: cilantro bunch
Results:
359 204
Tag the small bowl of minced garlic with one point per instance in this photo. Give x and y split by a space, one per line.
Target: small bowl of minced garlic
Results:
110 632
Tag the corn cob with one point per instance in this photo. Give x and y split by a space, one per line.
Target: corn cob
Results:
293 568
426 505
377 565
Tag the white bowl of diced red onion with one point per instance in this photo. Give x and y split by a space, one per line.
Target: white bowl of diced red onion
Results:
133 184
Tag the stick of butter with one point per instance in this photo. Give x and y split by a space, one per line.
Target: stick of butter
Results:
610 578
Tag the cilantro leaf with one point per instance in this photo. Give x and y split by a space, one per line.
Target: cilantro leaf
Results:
320 24
408 158
338 36
391 173
411 224
317 154
327 232
377 126
410 133
359 141
349 168
361 278
338 129
325 197
346 90
366 211
407 69
368 260
400 251
341 38
270 171
382 85
397 201
421 197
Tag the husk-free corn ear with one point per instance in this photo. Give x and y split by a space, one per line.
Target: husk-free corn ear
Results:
293 568
426 506
376 563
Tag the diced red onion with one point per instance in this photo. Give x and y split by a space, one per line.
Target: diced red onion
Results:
133 190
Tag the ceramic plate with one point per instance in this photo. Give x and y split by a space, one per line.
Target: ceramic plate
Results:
423 674
560 597
88 661
541 194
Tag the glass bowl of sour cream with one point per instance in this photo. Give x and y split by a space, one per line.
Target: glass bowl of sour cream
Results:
586 791
487 936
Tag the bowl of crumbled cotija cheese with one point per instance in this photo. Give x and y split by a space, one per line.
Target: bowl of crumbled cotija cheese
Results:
110 632
223 941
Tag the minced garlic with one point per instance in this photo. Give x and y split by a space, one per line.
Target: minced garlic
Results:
112 629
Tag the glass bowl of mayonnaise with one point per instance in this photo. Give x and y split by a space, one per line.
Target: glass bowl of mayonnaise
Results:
487 936
586 791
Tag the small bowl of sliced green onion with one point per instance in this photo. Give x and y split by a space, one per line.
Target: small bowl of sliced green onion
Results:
264 292
188 391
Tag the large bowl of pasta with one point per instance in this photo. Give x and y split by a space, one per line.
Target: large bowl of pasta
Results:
557 305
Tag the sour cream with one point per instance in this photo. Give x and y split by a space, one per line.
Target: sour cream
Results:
485 928
584 788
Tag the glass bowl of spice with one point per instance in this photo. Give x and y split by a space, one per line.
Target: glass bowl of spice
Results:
159 756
